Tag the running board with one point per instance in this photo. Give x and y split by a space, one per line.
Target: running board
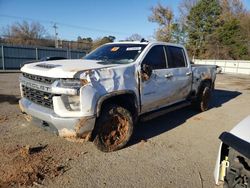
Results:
151 115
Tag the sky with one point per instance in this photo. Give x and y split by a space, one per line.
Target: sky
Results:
87 18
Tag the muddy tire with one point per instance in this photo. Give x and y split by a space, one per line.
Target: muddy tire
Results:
238 172
114 128
202 101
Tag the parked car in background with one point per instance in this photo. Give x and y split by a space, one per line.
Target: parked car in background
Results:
233 160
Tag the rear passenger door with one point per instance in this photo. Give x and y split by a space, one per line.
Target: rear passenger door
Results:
180 71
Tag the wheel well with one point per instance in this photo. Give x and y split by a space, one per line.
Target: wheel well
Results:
127 100
203 83
207 81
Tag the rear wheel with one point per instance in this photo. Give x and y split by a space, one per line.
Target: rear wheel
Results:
238 172
202 101
114 128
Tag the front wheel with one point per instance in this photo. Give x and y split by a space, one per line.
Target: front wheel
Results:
114 128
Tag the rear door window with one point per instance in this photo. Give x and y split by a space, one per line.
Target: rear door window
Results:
156 57
175 57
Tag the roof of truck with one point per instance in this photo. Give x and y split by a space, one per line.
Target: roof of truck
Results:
146 43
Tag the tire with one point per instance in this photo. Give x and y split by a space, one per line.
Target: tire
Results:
114 128
238 172
202 100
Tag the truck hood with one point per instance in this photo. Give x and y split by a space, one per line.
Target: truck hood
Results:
63 68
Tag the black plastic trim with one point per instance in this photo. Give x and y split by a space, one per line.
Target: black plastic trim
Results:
236 143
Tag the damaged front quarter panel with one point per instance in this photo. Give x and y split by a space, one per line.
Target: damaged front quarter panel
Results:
106 82
96 85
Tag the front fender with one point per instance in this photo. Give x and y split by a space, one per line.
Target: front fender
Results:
113 94
89 98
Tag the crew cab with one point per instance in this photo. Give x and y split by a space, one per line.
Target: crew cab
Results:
102 96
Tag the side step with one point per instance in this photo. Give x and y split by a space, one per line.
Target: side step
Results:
151 115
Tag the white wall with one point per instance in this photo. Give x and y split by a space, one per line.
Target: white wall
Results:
228 66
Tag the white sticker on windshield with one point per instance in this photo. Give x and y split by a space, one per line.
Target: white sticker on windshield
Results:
133 48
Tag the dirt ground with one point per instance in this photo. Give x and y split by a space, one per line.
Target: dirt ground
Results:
176 150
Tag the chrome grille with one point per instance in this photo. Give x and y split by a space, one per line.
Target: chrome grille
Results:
39 97
39 78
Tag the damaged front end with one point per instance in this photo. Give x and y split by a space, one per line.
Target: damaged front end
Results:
57 106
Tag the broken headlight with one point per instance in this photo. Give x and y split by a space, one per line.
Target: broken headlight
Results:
72 103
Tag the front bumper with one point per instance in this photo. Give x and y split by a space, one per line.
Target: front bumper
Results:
65 127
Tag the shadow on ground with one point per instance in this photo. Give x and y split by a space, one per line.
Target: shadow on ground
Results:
157 126
11 99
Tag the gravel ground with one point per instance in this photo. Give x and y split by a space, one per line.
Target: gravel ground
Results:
176 150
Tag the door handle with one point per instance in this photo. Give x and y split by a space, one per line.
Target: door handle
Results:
188 73
169 75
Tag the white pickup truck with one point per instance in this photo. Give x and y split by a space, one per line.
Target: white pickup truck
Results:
102 96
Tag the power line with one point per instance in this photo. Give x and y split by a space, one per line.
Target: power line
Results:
67 25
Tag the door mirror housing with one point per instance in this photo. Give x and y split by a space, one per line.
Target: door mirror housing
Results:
146 71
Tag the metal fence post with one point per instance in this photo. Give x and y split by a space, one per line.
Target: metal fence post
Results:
3 58
36 54
237 69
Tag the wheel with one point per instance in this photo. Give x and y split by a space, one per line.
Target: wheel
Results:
114 128
201 103
238 172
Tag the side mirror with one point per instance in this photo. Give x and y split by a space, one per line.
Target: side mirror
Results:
146 71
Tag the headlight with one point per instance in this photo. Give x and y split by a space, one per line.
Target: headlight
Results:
72 103
89 76
70 83
67 86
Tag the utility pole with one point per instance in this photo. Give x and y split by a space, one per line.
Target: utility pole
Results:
56 35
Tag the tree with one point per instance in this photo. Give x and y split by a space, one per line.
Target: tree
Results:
164 17
101 41
84 43
170 30
25 33
202 21
209 28
184 9
232 8
231 35
245 31
134 37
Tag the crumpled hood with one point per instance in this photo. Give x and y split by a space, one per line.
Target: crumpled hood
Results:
63 68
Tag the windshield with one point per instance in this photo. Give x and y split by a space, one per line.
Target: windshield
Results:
116 53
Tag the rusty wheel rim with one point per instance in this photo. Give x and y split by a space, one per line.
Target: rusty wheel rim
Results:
115 130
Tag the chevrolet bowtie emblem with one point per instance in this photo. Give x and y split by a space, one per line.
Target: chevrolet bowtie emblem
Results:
46 97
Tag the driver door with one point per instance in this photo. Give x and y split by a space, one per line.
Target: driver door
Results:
157 90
